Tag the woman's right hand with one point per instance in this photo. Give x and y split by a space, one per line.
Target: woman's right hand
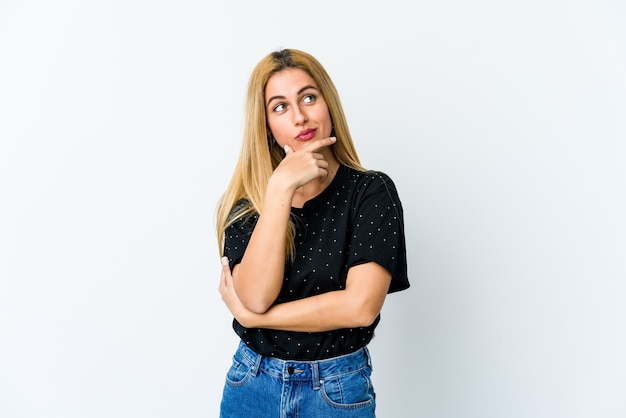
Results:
304 165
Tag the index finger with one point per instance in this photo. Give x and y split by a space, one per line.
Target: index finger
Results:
319 143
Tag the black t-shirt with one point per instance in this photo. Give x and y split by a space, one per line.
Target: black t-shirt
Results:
357 219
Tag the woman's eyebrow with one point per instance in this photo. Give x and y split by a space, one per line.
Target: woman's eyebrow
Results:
303 89
306 88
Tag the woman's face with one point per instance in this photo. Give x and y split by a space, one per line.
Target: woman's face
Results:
296 110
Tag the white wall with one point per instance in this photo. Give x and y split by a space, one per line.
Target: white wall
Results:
502 123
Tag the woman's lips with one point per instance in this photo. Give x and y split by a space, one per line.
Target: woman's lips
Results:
306 134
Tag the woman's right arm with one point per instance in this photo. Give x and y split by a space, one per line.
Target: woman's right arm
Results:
265 254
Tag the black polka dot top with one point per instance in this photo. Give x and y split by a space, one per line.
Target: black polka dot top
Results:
357 219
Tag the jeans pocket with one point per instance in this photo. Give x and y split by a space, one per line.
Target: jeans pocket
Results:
238 373
350 390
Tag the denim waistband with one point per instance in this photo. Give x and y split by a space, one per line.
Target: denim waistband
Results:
315 371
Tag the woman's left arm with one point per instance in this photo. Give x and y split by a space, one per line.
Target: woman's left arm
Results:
357 305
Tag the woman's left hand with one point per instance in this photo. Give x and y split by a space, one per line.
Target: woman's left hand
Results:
229 296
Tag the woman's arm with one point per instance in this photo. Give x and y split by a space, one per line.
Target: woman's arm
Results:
356 306
265 254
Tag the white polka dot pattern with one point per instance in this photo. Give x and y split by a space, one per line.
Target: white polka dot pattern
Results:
356 219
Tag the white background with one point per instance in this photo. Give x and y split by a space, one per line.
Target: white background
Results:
502 124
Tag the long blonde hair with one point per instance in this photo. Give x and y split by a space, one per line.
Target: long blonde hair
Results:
259 157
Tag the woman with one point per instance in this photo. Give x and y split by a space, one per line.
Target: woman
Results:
312 243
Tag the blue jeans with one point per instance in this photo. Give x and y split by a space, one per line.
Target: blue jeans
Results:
266 387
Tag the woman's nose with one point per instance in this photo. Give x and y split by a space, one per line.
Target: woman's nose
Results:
299 115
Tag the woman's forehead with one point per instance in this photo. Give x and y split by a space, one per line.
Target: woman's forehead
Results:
287 81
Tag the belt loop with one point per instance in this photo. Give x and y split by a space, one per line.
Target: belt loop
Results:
257 364
251 355
368 356
315 375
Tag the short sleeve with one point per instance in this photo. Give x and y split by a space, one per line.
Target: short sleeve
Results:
378 228
237 236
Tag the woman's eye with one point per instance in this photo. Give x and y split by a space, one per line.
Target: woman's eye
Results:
279 107
309 98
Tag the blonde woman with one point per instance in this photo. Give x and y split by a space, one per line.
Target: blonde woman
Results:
311 244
